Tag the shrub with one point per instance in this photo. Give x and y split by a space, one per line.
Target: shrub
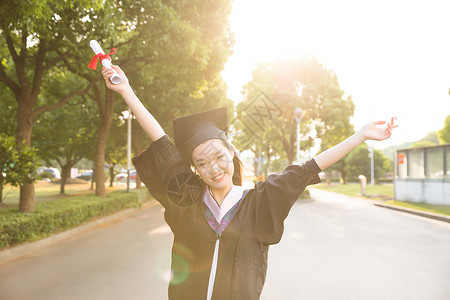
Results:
305 195
55 216
384 180
45 174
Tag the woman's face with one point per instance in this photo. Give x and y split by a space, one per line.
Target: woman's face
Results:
214 162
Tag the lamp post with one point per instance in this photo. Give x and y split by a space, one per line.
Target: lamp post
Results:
129 148
298 113
127 115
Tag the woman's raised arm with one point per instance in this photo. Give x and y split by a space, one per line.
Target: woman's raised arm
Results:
143 116
371 131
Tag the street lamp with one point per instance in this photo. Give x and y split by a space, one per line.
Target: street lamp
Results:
298 114
127 115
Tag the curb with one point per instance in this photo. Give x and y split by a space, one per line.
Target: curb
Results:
416 212
23 249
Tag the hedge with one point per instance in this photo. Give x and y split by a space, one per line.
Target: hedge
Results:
55 216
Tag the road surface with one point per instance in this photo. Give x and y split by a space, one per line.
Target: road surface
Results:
334 247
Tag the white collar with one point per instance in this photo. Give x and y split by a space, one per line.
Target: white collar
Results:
234 195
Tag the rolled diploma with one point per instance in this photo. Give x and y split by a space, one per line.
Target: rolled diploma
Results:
105 62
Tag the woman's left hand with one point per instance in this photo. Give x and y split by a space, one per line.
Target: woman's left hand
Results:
373 130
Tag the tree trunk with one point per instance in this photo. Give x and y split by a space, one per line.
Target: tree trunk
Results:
23 137
288 146
111 174
65 173
1 189
106 112
100 189
93 177
26 204
343 177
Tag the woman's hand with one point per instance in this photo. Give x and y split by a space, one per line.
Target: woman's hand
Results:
121 87
373 130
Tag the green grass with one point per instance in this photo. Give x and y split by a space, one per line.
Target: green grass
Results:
374 192
438 209
47 191
382 192
52 217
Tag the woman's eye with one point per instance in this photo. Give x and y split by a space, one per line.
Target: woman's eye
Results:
220 156
201 165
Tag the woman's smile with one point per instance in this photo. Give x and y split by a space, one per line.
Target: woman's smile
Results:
219 177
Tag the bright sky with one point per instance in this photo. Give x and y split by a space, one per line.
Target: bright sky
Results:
391 56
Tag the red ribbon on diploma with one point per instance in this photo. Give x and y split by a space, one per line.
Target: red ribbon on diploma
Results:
100 56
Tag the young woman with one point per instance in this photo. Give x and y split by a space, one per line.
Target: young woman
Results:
221 232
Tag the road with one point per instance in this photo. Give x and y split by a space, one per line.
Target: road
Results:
334 247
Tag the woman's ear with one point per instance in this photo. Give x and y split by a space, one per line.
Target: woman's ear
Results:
194 170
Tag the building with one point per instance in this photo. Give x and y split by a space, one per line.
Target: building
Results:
423 175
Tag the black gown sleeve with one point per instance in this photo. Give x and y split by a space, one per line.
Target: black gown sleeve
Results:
276 196
167 175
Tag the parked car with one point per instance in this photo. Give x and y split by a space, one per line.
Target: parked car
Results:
123 176
49 172
87 175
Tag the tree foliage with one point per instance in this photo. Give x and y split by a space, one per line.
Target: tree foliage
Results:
16 166
444 133
303 83
31 32
172 51
116 146
358 163
8 108
66 135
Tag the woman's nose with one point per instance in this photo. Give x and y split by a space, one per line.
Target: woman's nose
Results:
214 167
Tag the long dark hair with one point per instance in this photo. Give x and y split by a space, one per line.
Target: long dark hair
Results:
238 166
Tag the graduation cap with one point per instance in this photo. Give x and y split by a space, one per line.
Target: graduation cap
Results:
192 130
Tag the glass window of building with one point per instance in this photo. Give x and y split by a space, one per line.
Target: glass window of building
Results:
416 164
434 162
402 169
447 161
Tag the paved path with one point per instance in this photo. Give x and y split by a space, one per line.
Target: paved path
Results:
333 248
339 247
127 259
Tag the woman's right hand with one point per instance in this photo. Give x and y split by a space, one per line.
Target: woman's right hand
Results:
121 87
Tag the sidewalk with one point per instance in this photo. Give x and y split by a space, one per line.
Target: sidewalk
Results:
24 249
421 213
416 212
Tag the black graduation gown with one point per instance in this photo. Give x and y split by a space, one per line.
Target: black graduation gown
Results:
244 244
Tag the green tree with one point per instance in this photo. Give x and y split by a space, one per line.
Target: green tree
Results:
171 51
358 163
8 108
419 144
431 139
17 167
307 84
116 146
30 34
66 135
444 133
